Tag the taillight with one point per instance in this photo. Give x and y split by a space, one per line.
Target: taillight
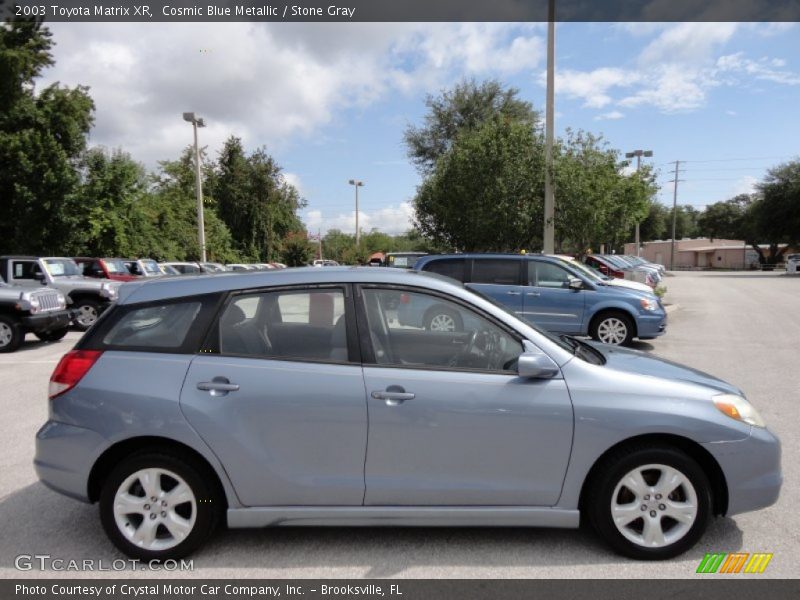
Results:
71 369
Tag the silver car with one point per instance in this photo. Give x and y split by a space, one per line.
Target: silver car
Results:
295 397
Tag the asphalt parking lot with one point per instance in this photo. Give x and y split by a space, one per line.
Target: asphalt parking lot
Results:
742 327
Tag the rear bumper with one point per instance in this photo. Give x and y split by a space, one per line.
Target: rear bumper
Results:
50 321
752 469
64 458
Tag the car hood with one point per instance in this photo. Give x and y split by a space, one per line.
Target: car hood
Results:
635 361
631 285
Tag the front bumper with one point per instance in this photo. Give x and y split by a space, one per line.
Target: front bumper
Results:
64 458
49 321
752 470
651 325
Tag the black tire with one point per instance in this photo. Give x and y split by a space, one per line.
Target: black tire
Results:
612 317
209 503
11 334
85 305
436 313
598 500
52 336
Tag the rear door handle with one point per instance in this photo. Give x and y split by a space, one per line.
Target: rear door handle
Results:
512 293
219 386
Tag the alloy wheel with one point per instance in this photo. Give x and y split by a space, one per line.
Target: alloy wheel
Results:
443 322
155 509
87 315
6 335
654 505
612 330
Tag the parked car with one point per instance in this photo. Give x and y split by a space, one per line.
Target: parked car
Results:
42 312
212 267
613 268
184 268
546 291
295 398
263 266
402 260
639 261
324 263
626 263
105 268
168 269
144 267
605 279
240 267
793 263
87 297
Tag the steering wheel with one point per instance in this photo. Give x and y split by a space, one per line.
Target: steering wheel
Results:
466 350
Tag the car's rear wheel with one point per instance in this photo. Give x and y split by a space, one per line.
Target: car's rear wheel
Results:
87 312
155 506
52 336
11 334
441 318
613 328
650 503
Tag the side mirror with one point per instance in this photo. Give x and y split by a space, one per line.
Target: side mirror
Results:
535 364
38 276
575 283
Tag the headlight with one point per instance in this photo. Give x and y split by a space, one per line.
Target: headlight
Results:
109 291
738 408
62 301
649 303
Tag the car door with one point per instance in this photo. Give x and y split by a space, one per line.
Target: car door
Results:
500 279
450 421
26 273
550 302
280 398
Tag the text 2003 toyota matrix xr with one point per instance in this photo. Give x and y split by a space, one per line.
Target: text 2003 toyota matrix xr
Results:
296 398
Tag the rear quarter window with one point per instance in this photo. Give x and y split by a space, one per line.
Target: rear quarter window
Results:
449 267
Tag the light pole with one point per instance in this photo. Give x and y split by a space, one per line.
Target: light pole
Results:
201 233
548 239
357 184
638 154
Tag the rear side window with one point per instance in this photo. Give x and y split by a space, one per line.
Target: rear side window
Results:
496 271
291 325
449 267
155 326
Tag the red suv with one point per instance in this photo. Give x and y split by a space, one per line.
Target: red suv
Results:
105 268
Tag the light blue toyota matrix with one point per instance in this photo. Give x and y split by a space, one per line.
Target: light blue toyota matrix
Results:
297 397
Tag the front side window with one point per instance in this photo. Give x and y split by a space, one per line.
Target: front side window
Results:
25 269
469 341
549 275
294 324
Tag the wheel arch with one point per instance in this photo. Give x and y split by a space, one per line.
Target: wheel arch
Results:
106 462
626 310
719 485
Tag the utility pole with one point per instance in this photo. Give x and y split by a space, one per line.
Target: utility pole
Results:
201 230
638 154
357 184
319 236
548 240
674 215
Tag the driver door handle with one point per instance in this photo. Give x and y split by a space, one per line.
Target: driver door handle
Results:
219 386
393 397
534 294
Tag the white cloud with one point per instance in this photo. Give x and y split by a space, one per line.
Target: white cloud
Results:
294 180
394 220
610 116
764 69
266 83
592 87
746 185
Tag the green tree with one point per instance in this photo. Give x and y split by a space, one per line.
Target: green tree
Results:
297 250
467 107
254 200
656 223
42 136
486 193
724 219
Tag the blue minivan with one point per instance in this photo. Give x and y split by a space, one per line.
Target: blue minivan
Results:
547 291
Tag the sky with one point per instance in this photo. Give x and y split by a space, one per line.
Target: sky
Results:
330 101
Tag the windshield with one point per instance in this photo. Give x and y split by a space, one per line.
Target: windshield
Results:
62 267
116 266
150 266
591 273
617 261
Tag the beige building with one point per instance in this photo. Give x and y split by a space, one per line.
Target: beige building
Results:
701 253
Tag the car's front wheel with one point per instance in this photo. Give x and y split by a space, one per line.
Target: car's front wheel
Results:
155 506
613 328
87 312
11 334
650 503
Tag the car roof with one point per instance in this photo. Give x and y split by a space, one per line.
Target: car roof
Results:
471 255
162 289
